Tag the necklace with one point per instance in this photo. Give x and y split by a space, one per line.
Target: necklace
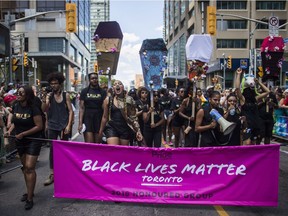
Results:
120 102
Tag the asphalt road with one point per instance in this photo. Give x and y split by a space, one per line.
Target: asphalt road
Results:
12 187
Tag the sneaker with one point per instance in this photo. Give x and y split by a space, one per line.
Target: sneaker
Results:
29 204
171 144
49 180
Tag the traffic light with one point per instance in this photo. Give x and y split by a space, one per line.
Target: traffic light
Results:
229 62
37 82
71 17
25 59
260 71
211 20
14 64
96 67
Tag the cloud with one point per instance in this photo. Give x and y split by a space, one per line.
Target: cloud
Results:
129 61
130 38
160 28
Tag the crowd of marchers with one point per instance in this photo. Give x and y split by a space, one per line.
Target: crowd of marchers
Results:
184 117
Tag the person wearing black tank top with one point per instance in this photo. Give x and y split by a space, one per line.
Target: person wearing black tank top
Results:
119 117
59 115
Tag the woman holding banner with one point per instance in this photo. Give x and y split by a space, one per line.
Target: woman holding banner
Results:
119 117
27 122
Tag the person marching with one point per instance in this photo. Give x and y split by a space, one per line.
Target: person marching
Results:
177 121
90 109
140 104
119 117
208 128
153 117
59 115
189 108
27 122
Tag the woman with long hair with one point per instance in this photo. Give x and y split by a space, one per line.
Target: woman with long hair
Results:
90 109
27 121
119 118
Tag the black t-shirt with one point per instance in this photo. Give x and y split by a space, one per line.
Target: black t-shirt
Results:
165 101
158 109
23 118
93 97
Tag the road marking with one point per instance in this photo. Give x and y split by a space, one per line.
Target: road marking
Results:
221 211
286 152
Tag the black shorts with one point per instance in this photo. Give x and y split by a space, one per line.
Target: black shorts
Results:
30 147
266 128
121 133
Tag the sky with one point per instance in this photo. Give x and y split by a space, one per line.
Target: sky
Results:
138 20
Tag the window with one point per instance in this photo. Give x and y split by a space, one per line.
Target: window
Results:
237 24
232 43
231 5
271 5
52 45
258 43
49 5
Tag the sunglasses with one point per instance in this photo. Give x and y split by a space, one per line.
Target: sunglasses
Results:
144 92
156 95
94 78
181 91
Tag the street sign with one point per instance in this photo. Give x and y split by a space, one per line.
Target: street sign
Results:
273 26
243 63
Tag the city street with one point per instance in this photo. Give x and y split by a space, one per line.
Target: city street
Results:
12 187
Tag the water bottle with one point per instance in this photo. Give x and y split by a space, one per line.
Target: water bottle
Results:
232 111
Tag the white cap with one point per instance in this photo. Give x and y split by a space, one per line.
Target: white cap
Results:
286 91
209 87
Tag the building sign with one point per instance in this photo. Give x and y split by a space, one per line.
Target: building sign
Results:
273 26
243 63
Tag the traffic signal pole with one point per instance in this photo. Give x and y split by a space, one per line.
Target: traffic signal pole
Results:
13 22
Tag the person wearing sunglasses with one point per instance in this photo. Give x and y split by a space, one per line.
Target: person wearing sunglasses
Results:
140 104
153 130
27 122
177 121
90 109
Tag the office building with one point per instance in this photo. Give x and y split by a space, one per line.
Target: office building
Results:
235 35
46 41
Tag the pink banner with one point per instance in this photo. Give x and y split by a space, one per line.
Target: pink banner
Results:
246 175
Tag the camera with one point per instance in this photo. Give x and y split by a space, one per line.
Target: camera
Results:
48 89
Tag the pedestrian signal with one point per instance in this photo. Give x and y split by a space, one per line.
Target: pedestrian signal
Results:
71 17
96 68
14 64
176 82
25 59
37 82
260 71
229 62
211 20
